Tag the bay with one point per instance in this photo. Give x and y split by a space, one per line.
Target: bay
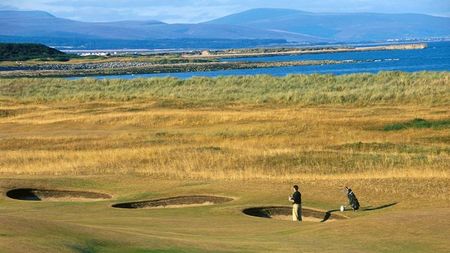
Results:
436 57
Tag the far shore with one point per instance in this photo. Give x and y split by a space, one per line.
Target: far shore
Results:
243 53
61 70
175 63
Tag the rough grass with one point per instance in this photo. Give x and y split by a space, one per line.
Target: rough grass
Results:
243 142
425 88
222 128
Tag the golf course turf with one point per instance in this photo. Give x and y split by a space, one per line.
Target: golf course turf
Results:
77 148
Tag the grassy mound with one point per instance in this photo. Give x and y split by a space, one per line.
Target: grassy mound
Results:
27 51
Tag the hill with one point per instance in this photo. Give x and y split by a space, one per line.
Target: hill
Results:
342 26
253 28
37 26
25 51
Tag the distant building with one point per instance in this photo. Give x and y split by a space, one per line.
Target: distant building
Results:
95 53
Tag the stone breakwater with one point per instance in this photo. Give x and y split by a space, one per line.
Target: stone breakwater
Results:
81 66
119 68
299 51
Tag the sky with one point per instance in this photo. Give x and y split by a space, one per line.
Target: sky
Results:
195 11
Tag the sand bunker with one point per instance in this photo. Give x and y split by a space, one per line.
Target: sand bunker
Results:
174 202
55 195
285 213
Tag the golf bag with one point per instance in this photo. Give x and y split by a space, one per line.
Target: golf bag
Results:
353 201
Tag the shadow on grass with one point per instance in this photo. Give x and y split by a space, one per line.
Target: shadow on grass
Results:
328 214
370 208
365 209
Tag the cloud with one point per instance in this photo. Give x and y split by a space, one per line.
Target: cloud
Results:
189 11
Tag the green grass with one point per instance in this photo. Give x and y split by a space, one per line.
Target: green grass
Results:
6 113
389 147
418 123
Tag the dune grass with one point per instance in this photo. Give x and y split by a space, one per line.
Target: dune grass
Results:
357 90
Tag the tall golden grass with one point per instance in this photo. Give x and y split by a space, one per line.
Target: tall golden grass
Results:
241 142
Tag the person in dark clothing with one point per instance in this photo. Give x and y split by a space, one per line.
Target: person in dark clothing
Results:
352 200
296 199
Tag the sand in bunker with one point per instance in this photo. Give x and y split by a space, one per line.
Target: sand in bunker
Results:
175 202
285 213
55 195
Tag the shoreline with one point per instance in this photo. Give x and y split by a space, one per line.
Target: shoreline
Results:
193 63
166 68
244 54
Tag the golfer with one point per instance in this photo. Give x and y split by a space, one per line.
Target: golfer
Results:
296 199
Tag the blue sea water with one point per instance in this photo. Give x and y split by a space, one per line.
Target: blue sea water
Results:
436 57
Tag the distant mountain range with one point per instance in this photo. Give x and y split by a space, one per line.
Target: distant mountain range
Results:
258 26
39 25
345 27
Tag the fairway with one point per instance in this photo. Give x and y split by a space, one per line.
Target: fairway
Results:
196 153
413 224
